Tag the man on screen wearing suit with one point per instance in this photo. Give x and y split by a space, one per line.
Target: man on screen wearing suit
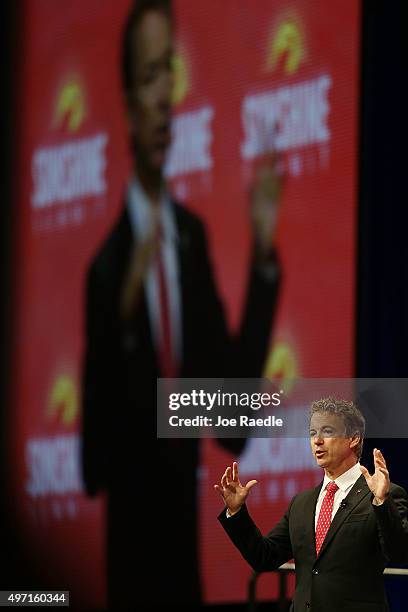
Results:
153 310
342 533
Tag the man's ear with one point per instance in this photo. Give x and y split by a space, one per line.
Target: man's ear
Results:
355 440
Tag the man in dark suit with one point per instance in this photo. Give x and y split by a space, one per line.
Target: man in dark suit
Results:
342 533
153 310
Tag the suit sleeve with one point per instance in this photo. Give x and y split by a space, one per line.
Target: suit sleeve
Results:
392 518
263 553
252 342
243 354
240 355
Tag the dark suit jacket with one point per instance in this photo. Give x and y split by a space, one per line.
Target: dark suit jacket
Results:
120 448
346 576
121 367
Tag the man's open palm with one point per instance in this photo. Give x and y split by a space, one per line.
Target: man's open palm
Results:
231 490
379 482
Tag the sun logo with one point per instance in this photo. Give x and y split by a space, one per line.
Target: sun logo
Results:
281 365
181 75
63 400
70 106
286 45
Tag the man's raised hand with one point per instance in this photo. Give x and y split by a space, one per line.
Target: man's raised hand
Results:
379 482
142 255
231 490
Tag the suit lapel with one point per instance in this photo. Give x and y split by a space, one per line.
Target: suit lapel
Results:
356 495
309 512
184 269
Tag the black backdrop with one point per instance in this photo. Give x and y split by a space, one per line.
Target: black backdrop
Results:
382 279
382 287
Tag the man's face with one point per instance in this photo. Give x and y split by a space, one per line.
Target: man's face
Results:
149 101
329 445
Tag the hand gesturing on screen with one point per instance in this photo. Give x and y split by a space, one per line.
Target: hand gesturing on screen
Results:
143 252
232 491
379 482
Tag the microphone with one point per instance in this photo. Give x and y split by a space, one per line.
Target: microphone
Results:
343 504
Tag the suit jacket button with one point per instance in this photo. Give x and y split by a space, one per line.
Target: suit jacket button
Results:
315 571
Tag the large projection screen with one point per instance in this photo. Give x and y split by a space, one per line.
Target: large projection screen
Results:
251 78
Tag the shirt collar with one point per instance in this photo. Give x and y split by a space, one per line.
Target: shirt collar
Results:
346 480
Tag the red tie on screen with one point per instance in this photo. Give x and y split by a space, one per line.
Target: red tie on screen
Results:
167 358
325 514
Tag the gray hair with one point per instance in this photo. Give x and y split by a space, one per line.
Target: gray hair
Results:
351 416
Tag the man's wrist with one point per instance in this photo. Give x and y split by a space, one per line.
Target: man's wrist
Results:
229 513
378 501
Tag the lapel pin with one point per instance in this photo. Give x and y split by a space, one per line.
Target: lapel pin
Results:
358 490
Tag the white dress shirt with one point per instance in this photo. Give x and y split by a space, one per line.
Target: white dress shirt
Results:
344 482
141 220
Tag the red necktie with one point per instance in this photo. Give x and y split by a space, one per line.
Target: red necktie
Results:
167 358
325 514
